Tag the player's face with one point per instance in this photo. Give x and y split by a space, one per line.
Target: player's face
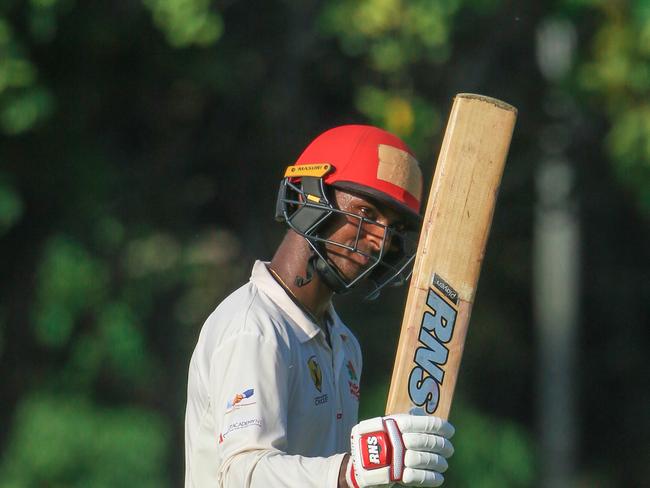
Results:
368 238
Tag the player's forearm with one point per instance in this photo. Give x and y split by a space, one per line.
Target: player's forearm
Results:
274 469
344 467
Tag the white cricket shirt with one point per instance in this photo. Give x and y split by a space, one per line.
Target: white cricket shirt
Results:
269 403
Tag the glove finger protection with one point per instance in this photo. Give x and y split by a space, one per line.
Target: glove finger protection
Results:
405 449
421 424
418 477
428 443
425 460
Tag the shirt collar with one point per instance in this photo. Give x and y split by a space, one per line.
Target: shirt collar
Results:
302 324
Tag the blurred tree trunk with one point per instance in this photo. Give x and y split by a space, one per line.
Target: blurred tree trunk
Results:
556 267
556 288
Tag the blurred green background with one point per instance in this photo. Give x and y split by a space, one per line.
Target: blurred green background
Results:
141 145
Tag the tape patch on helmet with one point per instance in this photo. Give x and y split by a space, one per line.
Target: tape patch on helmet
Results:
399 168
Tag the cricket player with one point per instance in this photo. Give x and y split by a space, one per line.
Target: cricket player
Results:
273 388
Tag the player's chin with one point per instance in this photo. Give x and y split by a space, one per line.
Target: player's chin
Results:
350 268
350 265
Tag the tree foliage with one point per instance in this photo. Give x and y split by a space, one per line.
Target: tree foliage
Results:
617 72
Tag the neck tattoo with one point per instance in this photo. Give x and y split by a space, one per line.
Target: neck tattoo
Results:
321 323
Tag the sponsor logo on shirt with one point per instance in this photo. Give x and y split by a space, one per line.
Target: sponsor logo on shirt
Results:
239 425
354 390
237 401
354 381
315 373
319 400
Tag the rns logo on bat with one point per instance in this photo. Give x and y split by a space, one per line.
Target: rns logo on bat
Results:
436 330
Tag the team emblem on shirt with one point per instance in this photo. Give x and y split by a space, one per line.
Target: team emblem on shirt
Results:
317 378
315 372
237 400
351 371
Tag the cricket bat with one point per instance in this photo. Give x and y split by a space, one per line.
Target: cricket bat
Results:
450 252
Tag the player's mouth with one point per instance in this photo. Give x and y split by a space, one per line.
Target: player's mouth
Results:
363 258
353 262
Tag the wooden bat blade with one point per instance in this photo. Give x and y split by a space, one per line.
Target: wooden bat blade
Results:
450 252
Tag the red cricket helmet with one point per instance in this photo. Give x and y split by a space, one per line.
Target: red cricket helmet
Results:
370 161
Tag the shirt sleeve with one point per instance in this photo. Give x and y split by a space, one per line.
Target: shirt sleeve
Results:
250 380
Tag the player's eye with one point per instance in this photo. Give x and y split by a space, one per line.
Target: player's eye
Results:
367 212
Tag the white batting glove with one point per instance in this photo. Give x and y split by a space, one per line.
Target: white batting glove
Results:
411 450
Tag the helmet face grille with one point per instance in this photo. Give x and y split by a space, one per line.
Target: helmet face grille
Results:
305 208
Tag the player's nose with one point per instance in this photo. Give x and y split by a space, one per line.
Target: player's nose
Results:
377 236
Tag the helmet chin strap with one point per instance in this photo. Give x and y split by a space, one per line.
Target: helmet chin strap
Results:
327 274
317 264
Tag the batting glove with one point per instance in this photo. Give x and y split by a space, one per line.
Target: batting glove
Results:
410 450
